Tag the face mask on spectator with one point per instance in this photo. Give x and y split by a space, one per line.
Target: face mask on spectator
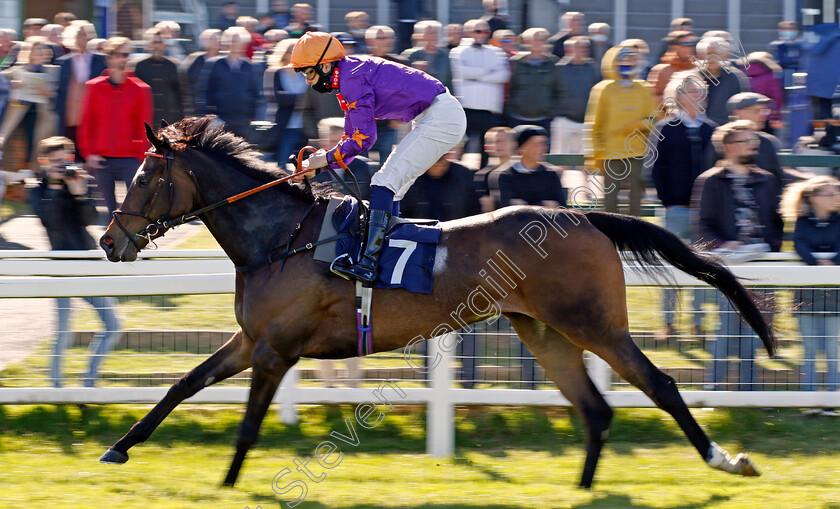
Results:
625 71
788 34
598 38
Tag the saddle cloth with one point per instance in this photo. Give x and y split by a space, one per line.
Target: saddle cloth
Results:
408 258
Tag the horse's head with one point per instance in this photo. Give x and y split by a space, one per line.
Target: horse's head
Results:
160 193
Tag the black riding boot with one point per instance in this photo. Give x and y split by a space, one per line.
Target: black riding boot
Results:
365 270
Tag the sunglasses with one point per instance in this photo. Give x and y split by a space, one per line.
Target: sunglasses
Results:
687 43
507 40
482 31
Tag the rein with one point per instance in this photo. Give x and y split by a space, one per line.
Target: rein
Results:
157 228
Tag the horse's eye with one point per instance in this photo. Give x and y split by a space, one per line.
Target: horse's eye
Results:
143 181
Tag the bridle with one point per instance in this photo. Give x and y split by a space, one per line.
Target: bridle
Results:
157 228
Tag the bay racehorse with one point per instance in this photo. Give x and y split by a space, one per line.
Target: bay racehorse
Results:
568 293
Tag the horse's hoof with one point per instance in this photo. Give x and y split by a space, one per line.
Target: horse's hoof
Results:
745 466
113 457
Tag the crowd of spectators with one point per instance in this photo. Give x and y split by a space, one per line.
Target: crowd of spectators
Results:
699 124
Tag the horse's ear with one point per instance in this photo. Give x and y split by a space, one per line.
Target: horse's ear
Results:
163 123
153 139
150 134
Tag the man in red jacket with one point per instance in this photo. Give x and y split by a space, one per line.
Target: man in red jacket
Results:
111 136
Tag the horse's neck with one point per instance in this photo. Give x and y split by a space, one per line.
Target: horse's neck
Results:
248 229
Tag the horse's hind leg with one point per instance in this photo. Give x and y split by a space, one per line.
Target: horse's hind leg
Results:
268 370
563 364
632 365
231 358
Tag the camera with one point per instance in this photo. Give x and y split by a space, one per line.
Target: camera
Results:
69 170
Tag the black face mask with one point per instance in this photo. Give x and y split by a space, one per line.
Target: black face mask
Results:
746 159
323 86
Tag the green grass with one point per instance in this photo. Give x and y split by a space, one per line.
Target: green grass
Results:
504 458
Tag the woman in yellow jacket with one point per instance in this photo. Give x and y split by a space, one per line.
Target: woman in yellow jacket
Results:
617 126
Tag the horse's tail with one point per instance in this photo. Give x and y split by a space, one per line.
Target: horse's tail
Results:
646 240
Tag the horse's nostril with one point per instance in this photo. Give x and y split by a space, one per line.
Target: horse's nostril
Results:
108 241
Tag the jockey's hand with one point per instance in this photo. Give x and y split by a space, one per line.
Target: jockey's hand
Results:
315 161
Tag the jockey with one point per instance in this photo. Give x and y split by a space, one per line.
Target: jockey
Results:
370 88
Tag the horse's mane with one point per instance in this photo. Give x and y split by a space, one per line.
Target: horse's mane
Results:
208 135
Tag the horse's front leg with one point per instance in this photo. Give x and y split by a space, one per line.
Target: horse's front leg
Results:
230 359
268 370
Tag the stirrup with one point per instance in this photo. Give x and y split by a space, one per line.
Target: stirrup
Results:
336 260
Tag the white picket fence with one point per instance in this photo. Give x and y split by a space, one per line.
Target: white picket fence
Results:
46 274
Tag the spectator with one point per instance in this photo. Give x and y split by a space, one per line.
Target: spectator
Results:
491 14
357 24
170 31
678 58
301 20
822 69
189 72
287 92
765 77
479 72
8 48
615 128
577 73
33 85
266 22
572 24
75 69
444 192
534 83
64 19
409 12
52 33
684 136
32 27
677 24
737 202
756 108
642 47
96 45
274 36
258 42
430 57
280 12
227 16
330 131
736 208
814 205
500 143
528 180
5 87
723 78
787 49
599 35
161 74
454 33
229 84
111 135
380 42
506 41
62 203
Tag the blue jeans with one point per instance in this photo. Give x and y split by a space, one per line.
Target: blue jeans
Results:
99 347
734 338
678 222
819 334
114 169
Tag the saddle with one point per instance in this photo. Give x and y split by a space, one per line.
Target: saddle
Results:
408 258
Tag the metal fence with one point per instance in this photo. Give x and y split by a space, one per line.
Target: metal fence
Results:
165 308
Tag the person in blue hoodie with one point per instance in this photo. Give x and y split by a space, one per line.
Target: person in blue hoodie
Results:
823 68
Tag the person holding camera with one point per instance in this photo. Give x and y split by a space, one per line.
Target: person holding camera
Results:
62 203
